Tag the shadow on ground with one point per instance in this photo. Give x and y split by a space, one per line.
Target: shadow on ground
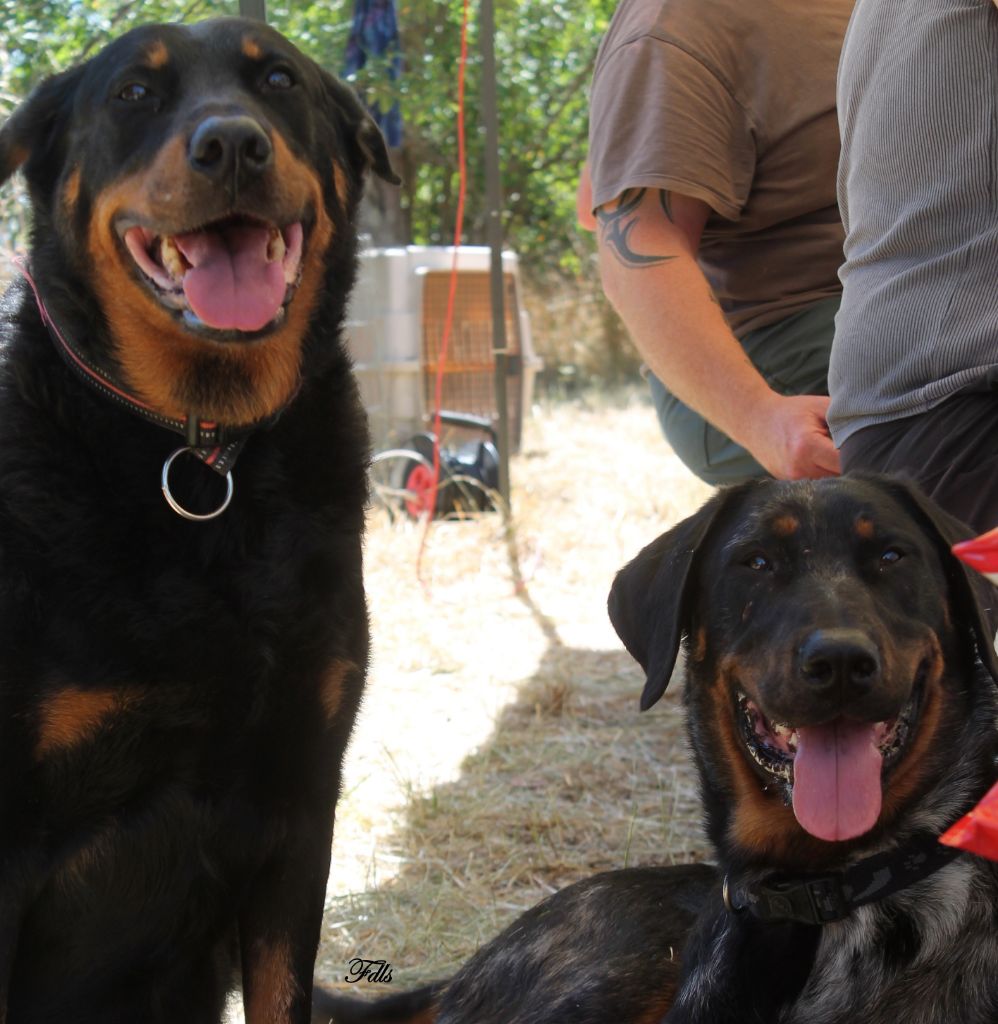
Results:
573 780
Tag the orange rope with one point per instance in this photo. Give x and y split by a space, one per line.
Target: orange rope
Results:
462 170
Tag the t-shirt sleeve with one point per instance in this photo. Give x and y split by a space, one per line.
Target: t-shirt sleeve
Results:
660 118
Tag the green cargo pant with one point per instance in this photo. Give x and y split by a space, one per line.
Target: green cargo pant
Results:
792 356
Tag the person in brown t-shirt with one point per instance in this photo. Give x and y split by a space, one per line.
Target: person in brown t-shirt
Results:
713 148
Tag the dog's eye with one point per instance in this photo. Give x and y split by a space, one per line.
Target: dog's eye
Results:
891 556
758 563
134 92
280 79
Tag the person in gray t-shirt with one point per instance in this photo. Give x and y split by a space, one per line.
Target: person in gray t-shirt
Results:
914 366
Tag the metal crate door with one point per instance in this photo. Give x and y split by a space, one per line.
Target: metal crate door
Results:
469 375
469 372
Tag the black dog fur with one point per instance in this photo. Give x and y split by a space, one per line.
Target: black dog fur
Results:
176 697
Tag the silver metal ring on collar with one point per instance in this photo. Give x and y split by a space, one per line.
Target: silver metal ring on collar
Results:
177 507
726 896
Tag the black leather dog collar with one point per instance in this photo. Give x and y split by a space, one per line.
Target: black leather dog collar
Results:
215 445
823 899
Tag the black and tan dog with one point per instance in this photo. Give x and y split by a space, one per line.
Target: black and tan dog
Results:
178 678
841 704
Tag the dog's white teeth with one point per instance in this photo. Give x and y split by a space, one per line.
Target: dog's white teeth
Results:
785 736
276 248
172 260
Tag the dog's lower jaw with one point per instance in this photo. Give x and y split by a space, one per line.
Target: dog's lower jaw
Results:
772 748
184 273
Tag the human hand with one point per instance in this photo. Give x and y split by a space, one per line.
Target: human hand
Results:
790 437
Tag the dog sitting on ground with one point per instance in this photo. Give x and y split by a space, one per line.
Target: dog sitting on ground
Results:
841 707
178 677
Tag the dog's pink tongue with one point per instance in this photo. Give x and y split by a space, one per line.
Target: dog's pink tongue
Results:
837 793
232 285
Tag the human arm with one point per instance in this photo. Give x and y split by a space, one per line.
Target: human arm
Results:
584 198
648 240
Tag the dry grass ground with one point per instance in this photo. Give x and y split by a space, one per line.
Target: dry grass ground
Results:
500 753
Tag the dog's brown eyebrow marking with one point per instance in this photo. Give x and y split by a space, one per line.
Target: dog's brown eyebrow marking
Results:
157 55
272 987
71 715
251 48
786 525
864 527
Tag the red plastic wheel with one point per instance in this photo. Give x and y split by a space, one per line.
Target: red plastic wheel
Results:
419 483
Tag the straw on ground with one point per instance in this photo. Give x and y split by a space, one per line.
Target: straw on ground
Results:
500 753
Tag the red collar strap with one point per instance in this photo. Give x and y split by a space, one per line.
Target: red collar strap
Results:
215 445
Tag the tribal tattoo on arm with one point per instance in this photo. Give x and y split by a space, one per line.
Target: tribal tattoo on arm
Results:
665 201
616 225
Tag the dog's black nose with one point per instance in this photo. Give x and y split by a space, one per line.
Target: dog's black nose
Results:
845 659
230 148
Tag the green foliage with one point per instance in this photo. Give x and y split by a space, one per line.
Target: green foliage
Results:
42 36
544 51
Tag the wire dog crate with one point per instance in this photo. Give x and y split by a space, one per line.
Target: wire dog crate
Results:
468 383
395 332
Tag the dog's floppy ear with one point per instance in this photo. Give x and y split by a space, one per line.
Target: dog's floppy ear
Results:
974 595
362 126
32 130
372 145
652 596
